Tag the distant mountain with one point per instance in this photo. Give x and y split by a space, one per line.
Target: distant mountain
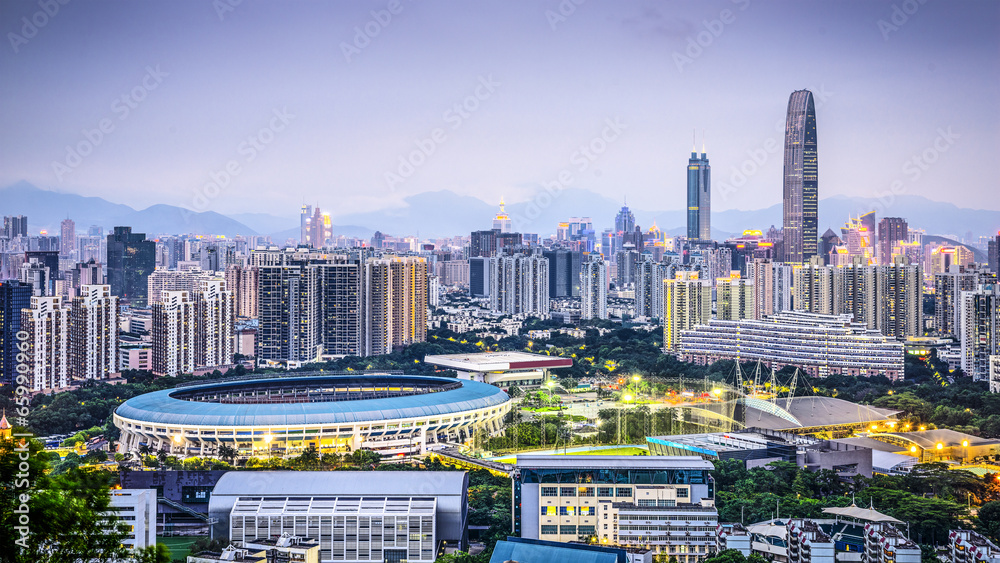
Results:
46 209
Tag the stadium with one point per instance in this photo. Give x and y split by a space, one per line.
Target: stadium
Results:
394 415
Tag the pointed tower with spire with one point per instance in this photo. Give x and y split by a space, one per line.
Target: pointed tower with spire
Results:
699 196
502 221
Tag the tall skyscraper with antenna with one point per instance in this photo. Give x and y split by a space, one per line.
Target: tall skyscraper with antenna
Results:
699 184
801 179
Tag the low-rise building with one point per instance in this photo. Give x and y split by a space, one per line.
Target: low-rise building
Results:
663 504
967 546
137 508
501 368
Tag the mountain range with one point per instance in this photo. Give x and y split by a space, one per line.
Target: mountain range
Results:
445 213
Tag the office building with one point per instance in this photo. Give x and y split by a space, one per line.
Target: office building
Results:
137 508
131 259
891 231
800 184
649 287
175 333
519 285
88 273
479 276
594 288
699 197
244 282
662 503
687 302
14 296
819 344
564 272
67 238
356 518
305 222
15 226
828 244
46 324
93 346
734 299
502 221
980 329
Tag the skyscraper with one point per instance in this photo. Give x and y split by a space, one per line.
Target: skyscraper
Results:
519 284
801 174
15 226
305 222
649 287
216 324
564 272
594 288
131 258
993 251
502 221
699 192
891 231
14 296
625 220
47 326
175 330
67 237
980 329
395 303
93 320
735 299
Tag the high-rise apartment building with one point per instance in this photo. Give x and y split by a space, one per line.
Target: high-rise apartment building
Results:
131 258
342 307
289 305
626 264
980 330
305 222
67 238
35 273
699 197
14 296
891 231
734 299
801 179
948 289
395 302
93 344
993 254
244 282
175 333
900 303
46 324
687 302
649 287
175 280
216 318
519 284
594 288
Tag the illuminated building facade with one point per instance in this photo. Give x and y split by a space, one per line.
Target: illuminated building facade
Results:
687 301
699 197
801 180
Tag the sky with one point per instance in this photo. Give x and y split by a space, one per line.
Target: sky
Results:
249 106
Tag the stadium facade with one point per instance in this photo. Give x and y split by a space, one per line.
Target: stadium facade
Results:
394 415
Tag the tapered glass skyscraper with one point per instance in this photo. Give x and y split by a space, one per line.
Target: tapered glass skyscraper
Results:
801 186
699 217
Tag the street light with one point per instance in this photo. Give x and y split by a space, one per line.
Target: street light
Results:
267 442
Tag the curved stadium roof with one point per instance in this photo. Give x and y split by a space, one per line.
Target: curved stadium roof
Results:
164 407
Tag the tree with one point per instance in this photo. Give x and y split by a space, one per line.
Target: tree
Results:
65 517
227 453
988 523
156 553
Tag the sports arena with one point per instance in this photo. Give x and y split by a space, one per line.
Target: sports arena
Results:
395 415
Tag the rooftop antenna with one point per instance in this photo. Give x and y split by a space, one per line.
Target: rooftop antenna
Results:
694 140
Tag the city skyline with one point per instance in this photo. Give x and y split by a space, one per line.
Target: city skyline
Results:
604 77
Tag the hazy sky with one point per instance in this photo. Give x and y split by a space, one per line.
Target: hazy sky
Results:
324 102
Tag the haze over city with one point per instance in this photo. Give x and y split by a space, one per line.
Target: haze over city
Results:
354 107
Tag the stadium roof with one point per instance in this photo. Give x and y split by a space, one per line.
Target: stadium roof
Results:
929 439
816 411
498 361
164 408
540 551
340 483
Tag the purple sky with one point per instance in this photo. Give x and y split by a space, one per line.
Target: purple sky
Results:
537 85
